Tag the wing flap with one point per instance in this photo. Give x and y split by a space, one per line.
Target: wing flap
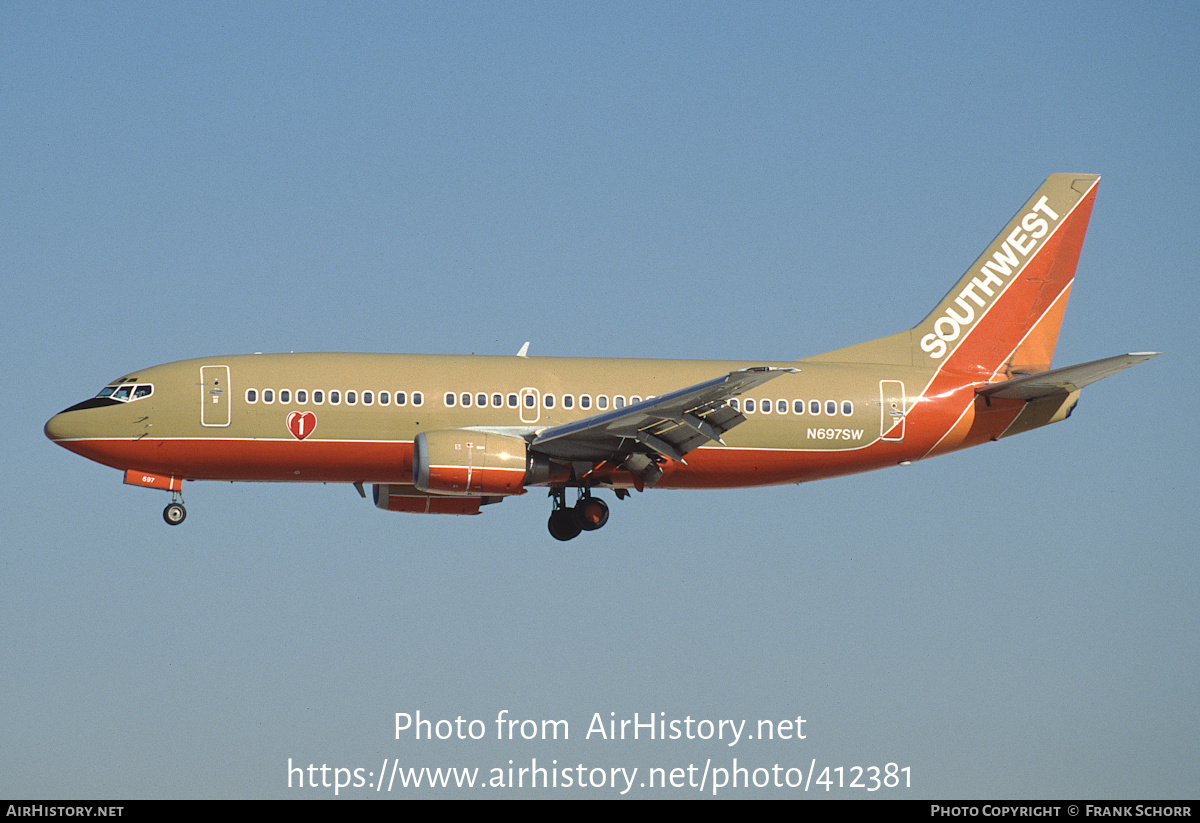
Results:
1064 380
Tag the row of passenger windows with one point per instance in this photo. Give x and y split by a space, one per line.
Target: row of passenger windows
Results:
529 399
749 405
466 400
336 397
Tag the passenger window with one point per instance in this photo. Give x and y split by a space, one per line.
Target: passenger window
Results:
749 404
781 406
529 401
764 406
401 398
301 396
585 401
466 400
285 396
619 402
831 407
633 401
449 398
268 395
351 398
481 400
335 397
512 401
733 404
418 398
368 398
251 395
497 401
602 401
814 406
318 397
798 406
548 399
384 398
568 401
847 408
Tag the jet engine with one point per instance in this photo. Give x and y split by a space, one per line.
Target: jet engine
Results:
475 463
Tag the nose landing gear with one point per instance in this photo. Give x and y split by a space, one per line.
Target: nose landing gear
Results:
174 513
588 514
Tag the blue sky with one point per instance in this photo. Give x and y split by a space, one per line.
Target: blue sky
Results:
661 180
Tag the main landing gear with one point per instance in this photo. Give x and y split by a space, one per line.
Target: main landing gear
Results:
174 513
587 515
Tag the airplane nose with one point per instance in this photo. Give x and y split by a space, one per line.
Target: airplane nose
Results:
66 424
73 421
57 428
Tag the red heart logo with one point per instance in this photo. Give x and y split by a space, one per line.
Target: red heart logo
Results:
301 424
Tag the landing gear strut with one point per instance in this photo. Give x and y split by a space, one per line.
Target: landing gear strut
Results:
588 514
174 513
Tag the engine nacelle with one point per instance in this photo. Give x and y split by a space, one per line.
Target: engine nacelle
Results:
464 462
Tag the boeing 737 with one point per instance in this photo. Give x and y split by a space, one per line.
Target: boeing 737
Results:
450 434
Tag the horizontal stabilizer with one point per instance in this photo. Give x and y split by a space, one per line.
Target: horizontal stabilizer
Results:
1062 381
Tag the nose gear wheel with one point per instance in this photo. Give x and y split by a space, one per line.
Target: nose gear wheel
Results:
175 513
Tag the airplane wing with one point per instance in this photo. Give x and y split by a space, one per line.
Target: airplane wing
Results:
669 426
1065 380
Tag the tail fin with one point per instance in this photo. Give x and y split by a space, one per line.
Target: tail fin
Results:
1002 318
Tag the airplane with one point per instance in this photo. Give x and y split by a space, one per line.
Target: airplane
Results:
449 434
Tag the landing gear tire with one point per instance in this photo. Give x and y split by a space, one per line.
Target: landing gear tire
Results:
562 524
174 514
590 513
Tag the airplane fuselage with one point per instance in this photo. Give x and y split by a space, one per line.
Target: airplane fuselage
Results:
363 412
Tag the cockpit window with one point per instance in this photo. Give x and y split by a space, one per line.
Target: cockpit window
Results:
127 393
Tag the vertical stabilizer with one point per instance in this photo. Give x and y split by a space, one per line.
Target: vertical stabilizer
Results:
1002 318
